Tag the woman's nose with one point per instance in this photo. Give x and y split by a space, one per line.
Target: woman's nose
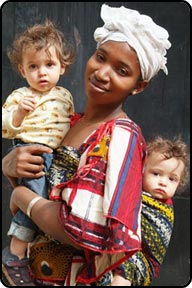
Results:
102 73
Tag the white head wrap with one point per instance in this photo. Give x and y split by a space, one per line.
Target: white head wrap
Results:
148 39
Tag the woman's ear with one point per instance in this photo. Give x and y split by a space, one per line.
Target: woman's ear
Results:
21 70
141 85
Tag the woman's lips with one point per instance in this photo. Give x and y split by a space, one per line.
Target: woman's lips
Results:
97 86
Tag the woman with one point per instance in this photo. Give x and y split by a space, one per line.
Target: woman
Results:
93 214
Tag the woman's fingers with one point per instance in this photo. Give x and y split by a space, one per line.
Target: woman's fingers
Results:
29 170
25 161
30 162
33 150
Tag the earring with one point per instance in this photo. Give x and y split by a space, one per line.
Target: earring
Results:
134 92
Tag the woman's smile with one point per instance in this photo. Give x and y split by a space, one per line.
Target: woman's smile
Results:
97 86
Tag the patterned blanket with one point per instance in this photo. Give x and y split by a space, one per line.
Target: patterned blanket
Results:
157 220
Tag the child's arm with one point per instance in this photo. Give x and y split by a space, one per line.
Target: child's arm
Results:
18 104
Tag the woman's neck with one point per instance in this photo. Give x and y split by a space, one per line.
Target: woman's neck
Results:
101 114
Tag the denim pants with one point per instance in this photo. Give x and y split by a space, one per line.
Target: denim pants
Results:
22 226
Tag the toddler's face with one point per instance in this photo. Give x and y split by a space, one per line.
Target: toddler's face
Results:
162 176
42 68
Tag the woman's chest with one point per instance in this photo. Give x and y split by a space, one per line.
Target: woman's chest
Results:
78 135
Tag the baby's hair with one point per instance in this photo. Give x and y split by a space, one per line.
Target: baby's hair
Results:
41 36
172 148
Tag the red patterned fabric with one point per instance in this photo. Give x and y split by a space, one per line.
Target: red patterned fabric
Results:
101 206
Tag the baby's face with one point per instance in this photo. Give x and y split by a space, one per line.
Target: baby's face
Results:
162 176
41 68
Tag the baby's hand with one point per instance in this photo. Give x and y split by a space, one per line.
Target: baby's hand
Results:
27 104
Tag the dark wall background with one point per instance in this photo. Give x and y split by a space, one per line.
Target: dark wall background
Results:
163 108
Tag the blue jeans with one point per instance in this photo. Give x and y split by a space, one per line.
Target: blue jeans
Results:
22 226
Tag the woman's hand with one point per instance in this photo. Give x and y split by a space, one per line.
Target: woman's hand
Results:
25 161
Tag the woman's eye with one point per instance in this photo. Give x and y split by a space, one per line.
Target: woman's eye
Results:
123 71
100 57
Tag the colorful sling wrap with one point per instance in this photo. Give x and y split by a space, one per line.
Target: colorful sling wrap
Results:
157 220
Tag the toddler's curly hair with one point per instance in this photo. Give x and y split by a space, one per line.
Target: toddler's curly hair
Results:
172 148
41 36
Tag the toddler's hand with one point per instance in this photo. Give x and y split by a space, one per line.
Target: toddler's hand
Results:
26 104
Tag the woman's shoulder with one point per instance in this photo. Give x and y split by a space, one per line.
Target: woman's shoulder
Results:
127 128
128 124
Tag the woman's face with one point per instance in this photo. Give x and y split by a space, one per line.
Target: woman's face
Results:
112 73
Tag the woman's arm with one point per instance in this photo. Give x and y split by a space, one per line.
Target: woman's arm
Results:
44 213
25 161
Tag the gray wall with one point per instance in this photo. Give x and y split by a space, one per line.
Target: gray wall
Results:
163 108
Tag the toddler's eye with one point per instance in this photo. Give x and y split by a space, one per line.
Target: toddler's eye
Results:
173 179
50 64
32 66
155 173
